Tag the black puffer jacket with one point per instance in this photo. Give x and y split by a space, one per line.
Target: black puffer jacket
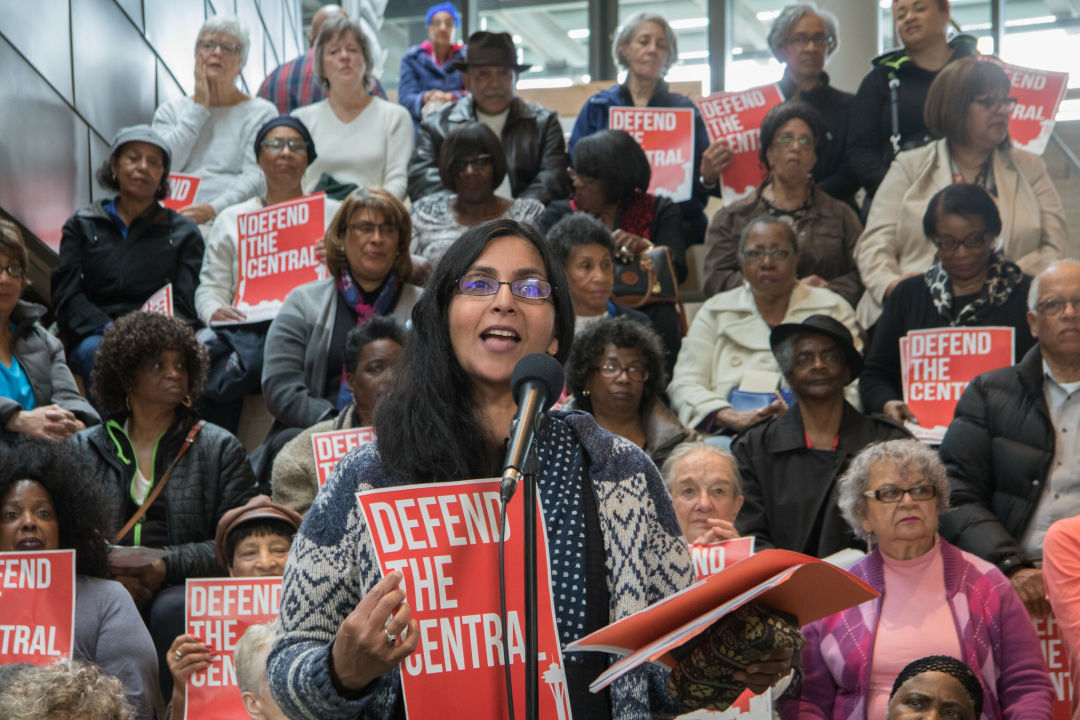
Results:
102 275
998 452
532 137
213 477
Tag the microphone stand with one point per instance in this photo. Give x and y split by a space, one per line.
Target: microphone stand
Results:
532 644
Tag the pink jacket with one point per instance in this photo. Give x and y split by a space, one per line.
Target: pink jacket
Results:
996 634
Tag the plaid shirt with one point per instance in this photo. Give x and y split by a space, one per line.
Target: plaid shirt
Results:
294 85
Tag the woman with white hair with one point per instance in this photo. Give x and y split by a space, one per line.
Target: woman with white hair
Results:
365 141
249 657
706 491
210 131
935 600
646 47
803 37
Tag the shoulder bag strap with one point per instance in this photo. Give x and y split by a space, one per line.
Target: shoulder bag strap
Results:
158 487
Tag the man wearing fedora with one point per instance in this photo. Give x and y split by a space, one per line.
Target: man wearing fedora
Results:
790 464
531 135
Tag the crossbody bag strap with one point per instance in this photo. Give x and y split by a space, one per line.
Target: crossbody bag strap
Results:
158 487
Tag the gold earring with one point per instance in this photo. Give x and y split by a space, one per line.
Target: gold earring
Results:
187 400
585 392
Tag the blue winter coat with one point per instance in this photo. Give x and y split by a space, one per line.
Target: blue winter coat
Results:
419 73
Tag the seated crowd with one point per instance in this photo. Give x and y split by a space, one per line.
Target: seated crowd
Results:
779 416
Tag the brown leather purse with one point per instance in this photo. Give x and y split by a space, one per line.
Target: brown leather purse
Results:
649 278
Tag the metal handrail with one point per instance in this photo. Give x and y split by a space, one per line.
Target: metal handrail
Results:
1066 150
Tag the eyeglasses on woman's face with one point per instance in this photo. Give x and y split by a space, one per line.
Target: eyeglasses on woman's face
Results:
993 102
895 493
229 48
476 162
529 288
276 145
611 370
971 242
756 256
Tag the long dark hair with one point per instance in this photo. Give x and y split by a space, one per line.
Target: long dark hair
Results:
425 424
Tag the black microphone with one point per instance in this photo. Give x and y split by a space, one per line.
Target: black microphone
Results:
536 383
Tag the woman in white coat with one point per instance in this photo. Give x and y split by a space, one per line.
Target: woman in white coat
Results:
968 108
730 334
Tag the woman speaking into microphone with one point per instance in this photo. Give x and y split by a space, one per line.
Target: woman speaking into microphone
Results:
497 295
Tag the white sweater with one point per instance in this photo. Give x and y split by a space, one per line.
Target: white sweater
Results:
217 145
220 272
372 151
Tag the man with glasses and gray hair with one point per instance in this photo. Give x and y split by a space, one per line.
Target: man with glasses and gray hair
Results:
1011 451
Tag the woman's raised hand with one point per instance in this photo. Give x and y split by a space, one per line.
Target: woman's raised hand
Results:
201 96
377 635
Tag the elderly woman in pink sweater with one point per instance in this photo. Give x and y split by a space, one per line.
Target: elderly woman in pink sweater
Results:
935 600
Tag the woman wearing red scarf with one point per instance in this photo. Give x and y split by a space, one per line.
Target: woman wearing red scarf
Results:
611 176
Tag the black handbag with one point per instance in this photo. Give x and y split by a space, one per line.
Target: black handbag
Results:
649 278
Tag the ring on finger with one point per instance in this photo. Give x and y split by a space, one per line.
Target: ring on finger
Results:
178 655
391 638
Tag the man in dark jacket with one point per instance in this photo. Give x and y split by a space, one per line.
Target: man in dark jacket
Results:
790 464
1010 478
531 135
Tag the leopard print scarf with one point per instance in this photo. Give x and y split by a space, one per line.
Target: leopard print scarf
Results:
1001 277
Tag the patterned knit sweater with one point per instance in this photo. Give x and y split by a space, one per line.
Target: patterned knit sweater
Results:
332 566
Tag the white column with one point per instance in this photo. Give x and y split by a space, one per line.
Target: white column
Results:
858 41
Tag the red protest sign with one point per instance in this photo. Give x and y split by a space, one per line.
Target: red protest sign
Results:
1038 96
444 538
277 253
182 189
1056 655
37 594
332 445
160 302
938 363
714 557
218 611
736 117
667 137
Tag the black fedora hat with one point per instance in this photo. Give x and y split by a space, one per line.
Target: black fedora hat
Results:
488 48
822 325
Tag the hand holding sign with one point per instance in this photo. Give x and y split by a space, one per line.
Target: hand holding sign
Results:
186 655
899 411
363 650
715 160
719 530
1028 584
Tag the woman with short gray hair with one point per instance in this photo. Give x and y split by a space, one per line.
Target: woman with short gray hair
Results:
210 131
935 600
645 46
803 37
